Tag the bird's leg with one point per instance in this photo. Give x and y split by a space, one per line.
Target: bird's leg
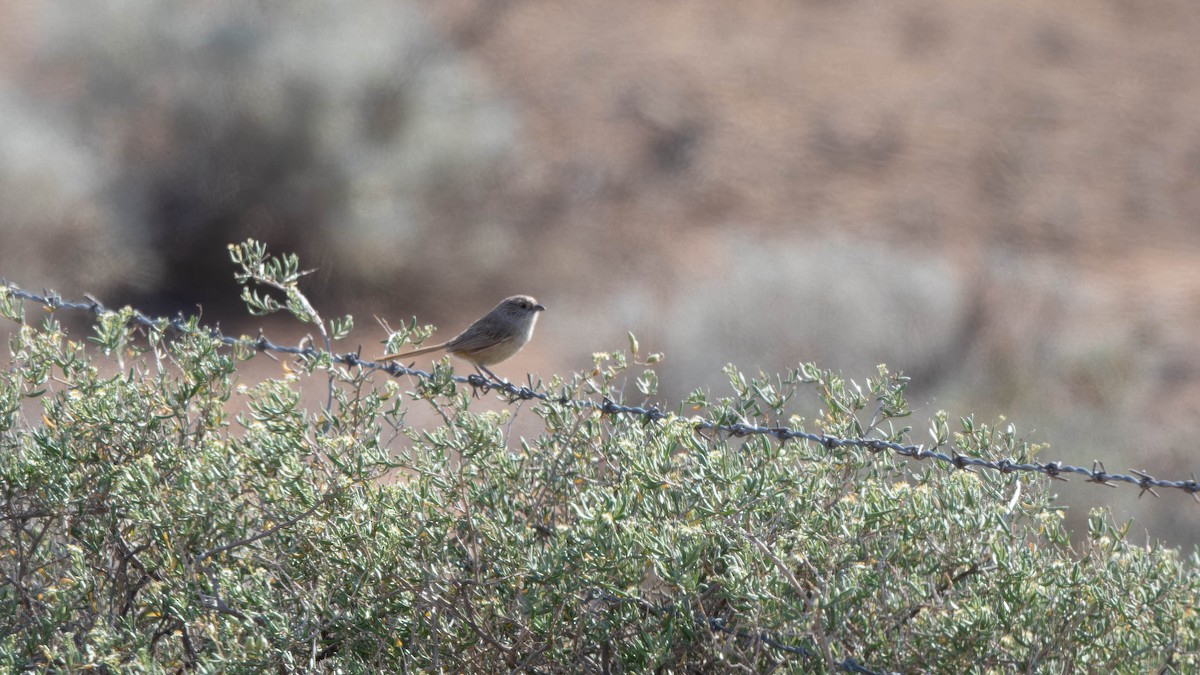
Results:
481 369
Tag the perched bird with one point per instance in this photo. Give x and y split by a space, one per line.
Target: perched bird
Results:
496 337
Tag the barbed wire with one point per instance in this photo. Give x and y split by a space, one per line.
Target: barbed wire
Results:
1056 470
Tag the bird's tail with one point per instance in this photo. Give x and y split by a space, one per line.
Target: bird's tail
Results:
415 352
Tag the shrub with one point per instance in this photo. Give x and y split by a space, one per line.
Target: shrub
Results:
159 516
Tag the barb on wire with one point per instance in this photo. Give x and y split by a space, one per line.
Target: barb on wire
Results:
1054 470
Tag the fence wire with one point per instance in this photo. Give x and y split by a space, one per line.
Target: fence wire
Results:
1056 469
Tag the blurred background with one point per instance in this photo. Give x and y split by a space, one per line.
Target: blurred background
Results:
999 199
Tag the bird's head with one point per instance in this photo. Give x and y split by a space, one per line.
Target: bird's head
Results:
520 306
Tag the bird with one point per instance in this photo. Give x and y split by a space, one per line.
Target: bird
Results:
496 337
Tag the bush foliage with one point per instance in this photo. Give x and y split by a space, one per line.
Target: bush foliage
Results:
158 515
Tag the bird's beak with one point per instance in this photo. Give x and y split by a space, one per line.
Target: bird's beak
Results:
539 308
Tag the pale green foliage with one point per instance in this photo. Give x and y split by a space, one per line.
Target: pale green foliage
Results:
158 516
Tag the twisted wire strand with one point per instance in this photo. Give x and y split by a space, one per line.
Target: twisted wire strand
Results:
1056 470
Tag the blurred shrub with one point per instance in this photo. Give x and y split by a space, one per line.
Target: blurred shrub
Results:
155 131
147 526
